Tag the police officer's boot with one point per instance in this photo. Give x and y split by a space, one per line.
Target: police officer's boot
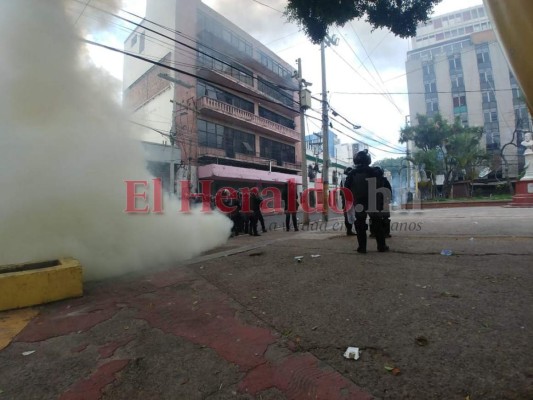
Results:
361 237
387 227
380 234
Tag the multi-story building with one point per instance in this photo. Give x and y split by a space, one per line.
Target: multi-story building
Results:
456 67
228 103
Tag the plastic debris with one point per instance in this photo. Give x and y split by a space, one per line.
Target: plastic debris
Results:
352 353
315 255
299 258
392 369
421 341
27 353
471 239
446 252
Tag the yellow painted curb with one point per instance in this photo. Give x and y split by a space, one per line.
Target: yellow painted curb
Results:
12 322
24 285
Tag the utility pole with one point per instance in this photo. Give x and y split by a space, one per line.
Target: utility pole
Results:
304 105
408 158
325 134
325 123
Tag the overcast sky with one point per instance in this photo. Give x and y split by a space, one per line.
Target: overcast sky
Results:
363 71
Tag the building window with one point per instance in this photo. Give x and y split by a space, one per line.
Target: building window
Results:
208 58
218 136
275 92
455 62
492 138
458 82
432 107
522 117
430 87
490 116
459 101
207 90
483 57
512 79
428 69
210 134
217 30
243 142
274 66
277 151
274 117
486 77
488 97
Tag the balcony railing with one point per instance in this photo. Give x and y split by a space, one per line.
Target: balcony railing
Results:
205 151
249 118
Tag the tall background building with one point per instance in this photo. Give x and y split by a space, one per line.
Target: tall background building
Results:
230 106
457 68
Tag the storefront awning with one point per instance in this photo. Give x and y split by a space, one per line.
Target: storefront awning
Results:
226 172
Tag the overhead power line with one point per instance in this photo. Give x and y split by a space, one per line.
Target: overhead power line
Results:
356 139
194 49
134 55
266 5
381 140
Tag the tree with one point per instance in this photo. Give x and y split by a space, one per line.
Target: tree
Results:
452 150
392 164
428 133
400 16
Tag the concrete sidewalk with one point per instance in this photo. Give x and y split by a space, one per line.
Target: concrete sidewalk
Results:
248 321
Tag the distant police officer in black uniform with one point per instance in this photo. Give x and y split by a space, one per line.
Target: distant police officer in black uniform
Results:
369 199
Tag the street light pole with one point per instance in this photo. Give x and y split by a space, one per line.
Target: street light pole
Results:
303 107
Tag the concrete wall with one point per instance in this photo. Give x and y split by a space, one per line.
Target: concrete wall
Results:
162 11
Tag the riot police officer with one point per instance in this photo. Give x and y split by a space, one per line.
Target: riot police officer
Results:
370 200
385 212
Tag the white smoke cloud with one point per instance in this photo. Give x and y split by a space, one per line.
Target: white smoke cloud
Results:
65 150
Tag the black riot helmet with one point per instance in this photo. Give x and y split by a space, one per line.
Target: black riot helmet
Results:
362 158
